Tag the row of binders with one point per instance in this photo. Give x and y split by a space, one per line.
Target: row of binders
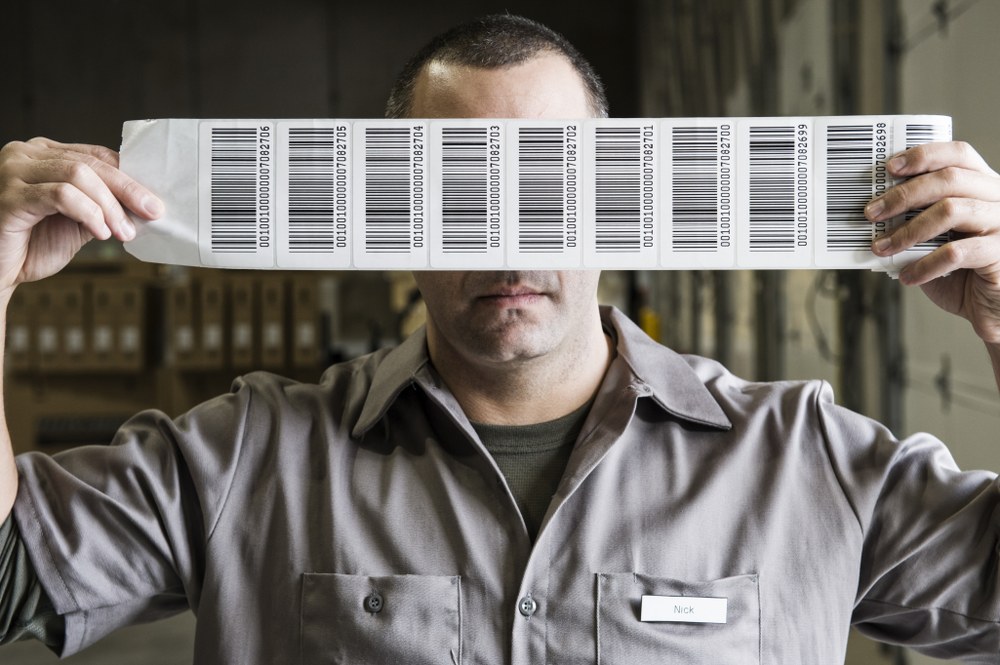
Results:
203 322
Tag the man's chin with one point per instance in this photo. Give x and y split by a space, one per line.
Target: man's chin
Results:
516 343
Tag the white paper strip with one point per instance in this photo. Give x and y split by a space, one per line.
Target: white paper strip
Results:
677 193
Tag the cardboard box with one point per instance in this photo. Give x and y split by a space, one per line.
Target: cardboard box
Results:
20 349
211 322
243 328
273 337
305 332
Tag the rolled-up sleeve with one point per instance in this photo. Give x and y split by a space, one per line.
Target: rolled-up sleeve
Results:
928 572
117 534
25 610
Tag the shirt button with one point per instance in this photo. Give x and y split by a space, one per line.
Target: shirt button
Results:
373 602
527 606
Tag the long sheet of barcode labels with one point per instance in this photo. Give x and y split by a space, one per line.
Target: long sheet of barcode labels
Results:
769 193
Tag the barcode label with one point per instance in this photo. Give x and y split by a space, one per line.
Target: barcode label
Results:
314 197
775 193
749 193
467 200
391 200
853 172
700 188
545 163
237 197
621 193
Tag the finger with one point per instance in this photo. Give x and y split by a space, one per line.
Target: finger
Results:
133 195
137 198
935 156
51 198
84 178
106 155
979 253
955 214
923 190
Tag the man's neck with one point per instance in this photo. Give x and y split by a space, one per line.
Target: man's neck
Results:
527 392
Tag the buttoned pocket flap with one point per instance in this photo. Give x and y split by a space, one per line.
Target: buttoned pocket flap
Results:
719 625
381 619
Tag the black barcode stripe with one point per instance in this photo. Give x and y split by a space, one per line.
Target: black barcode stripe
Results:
695 182
617 189
917 134
464 189
541 189
233 190
772 189
849 159
311 189
388 189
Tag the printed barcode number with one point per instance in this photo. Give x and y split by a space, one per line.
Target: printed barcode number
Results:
695 183
617 189
464 189
233 190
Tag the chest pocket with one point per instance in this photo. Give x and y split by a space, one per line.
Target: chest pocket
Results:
623 638
372 620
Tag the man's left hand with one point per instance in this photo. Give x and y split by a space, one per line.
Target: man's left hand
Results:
961 194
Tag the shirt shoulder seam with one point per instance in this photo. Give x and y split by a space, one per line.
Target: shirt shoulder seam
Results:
841 483
239 458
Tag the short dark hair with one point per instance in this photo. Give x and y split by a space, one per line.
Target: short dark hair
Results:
492 42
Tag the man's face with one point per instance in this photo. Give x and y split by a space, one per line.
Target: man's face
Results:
498 317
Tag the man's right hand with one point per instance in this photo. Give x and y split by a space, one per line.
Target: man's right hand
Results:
55 197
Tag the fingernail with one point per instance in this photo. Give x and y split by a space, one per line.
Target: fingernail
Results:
153 206
897 164
883 244
875 208
128 229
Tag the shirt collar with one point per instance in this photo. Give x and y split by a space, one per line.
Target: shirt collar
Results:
397 371
656 371
663 374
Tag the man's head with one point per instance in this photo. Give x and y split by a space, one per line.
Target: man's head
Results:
502 66
490 43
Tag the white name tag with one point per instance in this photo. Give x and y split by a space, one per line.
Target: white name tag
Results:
684 609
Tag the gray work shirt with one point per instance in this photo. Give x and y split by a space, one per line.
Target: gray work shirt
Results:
360 520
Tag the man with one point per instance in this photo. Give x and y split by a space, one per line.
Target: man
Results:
509 484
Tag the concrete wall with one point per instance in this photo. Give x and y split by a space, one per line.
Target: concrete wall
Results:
951 68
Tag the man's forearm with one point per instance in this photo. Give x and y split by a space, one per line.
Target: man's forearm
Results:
8 472
994 351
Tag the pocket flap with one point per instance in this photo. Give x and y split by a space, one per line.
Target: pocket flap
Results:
622 637
380 619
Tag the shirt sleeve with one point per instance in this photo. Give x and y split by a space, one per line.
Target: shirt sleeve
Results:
929 567
117 534
25 610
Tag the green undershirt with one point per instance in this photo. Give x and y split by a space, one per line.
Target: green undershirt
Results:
532 458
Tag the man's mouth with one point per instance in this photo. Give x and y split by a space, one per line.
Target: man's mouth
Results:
512 296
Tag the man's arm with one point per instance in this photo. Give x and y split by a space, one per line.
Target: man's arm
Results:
961 194
54 198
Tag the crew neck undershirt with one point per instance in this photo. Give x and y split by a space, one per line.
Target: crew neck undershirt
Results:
533 458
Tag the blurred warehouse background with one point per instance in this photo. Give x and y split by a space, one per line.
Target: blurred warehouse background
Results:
111 336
